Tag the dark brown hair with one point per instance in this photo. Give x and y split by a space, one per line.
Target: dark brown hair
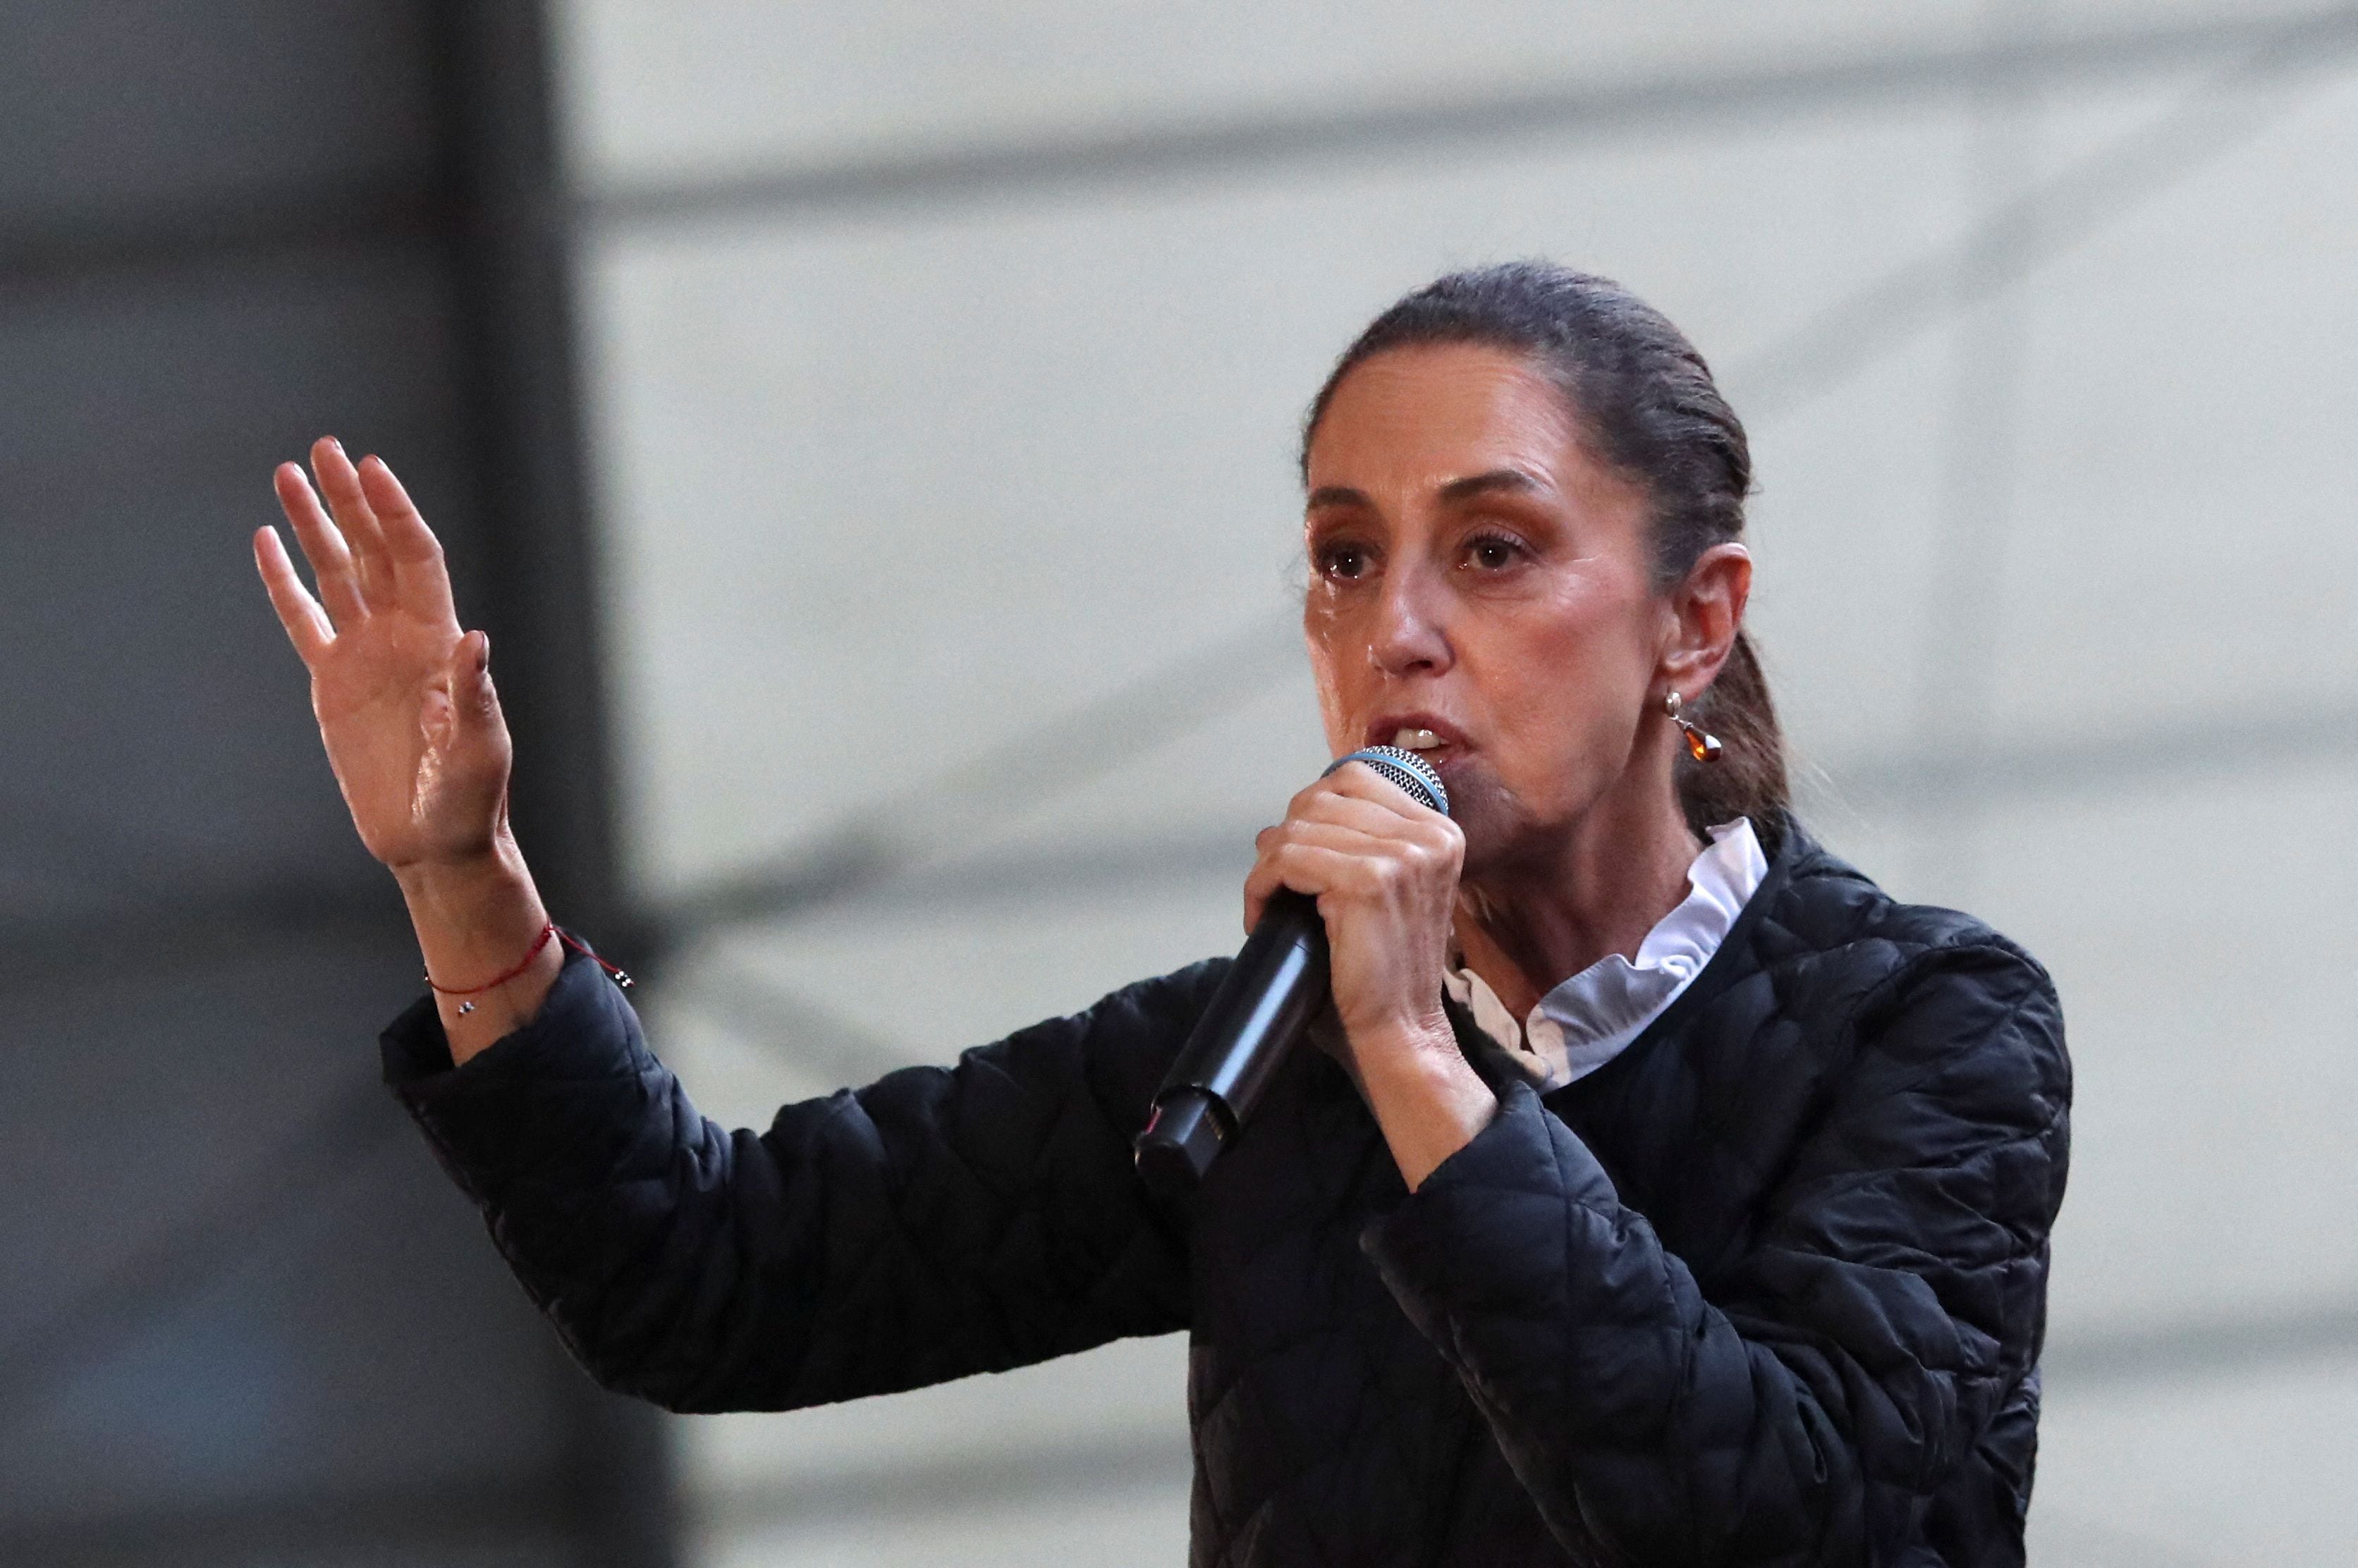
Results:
1645 402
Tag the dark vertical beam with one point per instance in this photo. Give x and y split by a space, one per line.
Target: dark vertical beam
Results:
534 584
537 590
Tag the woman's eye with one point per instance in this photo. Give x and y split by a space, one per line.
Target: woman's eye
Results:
1491 553
1342 561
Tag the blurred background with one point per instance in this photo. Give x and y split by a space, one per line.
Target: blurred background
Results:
867 431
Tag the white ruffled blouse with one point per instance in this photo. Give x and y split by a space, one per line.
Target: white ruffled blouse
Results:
1589 1018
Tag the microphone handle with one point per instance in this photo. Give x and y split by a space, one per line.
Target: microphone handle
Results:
1263 1008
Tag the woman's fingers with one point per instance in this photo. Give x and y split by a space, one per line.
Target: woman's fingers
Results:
1358 798
1376 819
306 623
1262 882
369 548
1368 859
323 547
1315 858
339 482
423 581
1361 782
1311 868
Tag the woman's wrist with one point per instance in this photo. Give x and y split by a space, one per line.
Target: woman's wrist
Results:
482 894
1427 1098
476 919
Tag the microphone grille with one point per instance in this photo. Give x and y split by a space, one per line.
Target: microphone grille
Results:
1406 769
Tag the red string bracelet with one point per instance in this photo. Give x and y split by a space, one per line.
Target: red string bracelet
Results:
546 931
614 972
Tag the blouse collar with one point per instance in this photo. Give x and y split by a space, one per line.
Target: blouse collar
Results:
1591 1018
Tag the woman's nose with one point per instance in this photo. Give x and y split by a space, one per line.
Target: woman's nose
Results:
1406 638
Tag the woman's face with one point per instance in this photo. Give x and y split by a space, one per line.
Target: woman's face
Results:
1475 572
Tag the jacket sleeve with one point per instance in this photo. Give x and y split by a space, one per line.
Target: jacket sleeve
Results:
940 1222
1893 1297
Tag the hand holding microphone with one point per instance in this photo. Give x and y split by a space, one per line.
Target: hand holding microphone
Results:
1352 895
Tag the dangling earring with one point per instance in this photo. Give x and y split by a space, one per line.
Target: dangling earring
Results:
1702 746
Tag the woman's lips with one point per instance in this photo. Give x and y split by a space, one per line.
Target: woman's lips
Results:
1428 733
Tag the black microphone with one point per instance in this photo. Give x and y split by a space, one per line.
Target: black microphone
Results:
1260 1010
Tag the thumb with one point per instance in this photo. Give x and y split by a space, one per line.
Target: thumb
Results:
479 733
474 702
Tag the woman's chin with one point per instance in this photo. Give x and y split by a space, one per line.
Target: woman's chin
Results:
1510 830
1489 816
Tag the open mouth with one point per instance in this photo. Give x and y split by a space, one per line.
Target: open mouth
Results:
1423 733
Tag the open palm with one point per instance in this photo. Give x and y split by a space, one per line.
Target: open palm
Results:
403 694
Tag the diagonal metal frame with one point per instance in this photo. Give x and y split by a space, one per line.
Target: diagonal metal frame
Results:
754 1006
1080 159
2019 235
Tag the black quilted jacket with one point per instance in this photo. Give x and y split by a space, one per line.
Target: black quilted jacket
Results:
1768 1288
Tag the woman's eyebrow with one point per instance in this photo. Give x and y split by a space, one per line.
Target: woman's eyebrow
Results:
1335 495
1457 490
1472 485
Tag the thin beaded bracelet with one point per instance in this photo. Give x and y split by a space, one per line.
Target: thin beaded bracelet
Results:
546 931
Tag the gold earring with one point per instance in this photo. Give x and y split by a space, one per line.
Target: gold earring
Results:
1702 746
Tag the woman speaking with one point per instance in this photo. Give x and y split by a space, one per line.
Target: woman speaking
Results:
1656 1190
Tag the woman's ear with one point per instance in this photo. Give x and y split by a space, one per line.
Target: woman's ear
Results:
1706 612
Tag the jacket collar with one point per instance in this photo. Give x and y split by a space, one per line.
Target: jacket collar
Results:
1788 845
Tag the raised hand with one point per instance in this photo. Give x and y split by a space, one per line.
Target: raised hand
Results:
413 730
403 697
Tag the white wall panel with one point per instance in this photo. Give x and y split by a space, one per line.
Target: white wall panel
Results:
2246 1465
1844 532
2183 545
677 89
